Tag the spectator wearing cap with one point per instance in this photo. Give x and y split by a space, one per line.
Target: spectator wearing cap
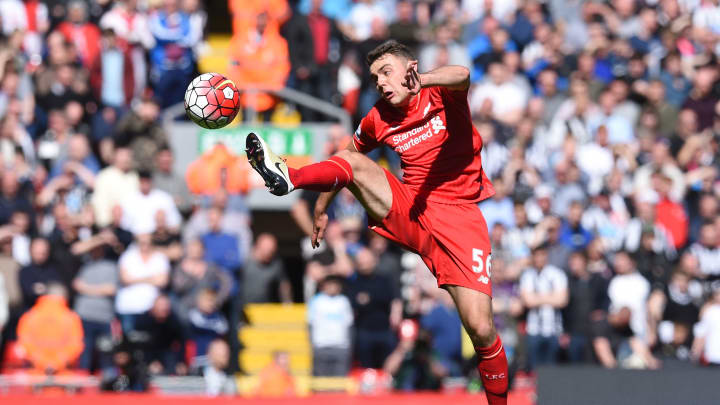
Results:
544 292
140 209
330 319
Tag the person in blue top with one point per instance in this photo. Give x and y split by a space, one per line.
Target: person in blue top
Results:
171 58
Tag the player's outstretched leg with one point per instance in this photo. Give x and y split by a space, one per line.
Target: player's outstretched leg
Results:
475 309
280 179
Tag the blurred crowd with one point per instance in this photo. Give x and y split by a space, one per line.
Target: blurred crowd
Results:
614 261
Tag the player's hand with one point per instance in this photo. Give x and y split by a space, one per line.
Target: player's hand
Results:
412 79
320 222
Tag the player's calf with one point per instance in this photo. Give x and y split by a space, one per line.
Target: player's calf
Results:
332 174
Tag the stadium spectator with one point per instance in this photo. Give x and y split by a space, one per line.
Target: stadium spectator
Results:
221 248
206 324
587 304
572 233
140 209
171 59
140 130
330 319
275 380
707 251
84 35
133 36
544 292
4 307
442 323
498 209
217 380
235 220
705 346
164 347
675 310
165 179
192 275
260 59
378 311
112 73
50 333
112 184
628 292
143 273
264 278
95 286
166 239
35 278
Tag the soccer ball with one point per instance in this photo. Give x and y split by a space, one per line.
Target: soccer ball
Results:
212 100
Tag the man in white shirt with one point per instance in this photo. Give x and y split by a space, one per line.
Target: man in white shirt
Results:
629 291
112 185
140 209
507 100
544 292
707 332
144 271
330 317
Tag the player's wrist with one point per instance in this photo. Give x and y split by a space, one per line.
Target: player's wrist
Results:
422 79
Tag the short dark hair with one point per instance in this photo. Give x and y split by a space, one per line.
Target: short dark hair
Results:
392 47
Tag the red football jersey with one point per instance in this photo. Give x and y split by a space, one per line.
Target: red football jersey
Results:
438 146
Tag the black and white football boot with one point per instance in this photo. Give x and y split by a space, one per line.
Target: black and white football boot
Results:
270 166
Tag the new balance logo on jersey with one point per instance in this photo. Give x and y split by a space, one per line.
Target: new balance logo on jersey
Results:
437 123
427 108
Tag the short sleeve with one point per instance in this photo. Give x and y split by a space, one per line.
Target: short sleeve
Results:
365 138
526 281
560 281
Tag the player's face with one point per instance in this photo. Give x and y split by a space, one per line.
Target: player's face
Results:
388 72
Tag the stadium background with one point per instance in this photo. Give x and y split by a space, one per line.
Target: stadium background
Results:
601 125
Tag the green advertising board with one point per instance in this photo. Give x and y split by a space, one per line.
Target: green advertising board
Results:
283 141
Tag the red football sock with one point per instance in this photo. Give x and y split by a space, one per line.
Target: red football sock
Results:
334 173
493 368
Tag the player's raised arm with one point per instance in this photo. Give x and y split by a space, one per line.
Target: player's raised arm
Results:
452 77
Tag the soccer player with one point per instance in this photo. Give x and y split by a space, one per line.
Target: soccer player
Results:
425 117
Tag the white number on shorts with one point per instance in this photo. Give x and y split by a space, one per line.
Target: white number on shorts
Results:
478 258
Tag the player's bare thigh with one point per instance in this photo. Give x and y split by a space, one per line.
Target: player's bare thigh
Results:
370 186
475 310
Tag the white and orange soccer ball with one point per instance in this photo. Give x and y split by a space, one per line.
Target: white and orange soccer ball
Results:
212 100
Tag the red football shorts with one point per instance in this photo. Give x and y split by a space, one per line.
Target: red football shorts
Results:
452 240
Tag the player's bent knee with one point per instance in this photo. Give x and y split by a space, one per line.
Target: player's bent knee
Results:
357 161
482 332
